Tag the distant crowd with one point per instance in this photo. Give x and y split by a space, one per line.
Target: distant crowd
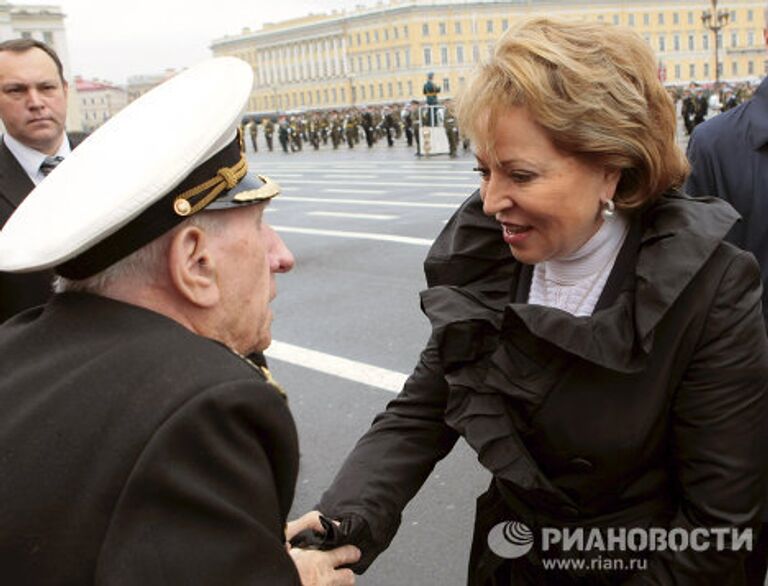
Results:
700 102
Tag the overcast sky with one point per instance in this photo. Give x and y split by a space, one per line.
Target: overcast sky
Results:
113 39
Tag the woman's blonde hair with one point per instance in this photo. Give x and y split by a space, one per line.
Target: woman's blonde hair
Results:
595 91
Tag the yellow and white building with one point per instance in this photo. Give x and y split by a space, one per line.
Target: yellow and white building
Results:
382 54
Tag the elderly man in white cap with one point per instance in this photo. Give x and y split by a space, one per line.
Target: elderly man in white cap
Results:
138 444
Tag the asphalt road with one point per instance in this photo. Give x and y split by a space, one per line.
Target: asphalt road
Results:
359 223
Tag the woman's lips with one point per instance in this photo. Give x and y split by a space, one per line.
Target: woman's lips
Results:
515 234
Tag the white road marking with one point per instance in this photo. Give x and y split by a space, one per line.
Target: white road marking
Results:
356 216
359 372
471 186
448 194
378 202
371 191
347 175
357 235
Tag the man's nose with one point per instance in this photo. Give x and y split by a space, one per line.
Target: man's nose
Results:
34 99
281 259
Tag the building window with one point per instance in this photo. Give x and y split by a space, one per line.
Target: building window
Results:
344 94
425 29
335 95
360 64
750 67
446 84
615 19
399 88
646 19
389 89
388 60
720 40
631 20
733 16
405 31
367 38
457 27
376 36
373 92
504 24
26 35
675 18
427 56
444 55
692 71
677 71
460 54
489 26
750 15
370 63
706 70
358 40
378 61
362 92
676 42
48 38
734 68
720 69
691 42
476 53
662 43
441 28
407 57
750 39
734 39
325 95
381 90
705 42
396 32
661 18
397 59
410 88
690 17
386 34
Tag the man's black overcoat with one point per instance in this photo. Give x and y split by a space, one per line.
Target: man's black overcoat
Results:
135 452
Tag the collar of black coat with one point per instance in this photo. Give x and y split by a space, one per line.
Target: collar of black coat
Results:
756 112
470 271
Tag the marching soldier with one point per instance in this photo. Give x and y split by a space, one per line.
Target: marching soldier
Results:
253 128
451 128
269 131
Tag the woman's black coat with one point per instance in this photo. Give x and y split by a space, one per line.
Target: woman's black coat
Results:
650 412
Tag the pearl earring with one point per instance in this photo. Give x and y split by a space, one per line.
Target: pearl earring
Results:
609 210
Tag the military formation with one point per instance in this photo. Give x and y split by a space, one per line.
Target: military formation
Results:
699 102
350 128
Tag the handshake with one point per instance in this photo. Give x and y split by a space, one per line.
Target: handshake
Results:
316 545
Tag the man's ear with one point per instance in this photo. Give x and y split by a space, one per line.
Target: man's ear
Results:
192 267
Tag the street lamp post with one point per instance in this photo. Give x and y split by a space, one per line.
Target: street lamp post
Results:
715 20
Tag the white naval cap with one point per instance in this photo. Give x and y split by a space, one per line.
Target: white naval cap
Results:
171 153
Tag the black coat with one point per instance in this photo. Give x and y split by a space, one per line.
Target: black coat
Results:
135 452
648 413
20 291
729 159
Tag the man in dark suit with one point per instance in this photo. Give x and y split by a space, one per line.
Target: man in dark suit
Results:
729 159
139 445
33 108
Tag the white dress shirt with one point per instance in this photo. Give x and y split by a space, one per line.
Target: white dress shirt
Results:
31 159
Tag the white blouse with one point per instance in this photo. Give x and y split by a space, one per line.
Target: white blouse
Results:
574 282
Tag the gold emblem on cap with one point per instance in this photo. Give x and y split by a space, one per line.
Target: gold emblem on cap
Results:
268 190
182 207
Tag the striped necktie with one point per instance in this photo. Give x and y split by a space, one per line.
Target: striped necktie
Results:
49 164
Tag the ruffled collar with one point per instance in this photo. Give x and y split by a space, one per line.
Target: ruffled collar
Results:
469 269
